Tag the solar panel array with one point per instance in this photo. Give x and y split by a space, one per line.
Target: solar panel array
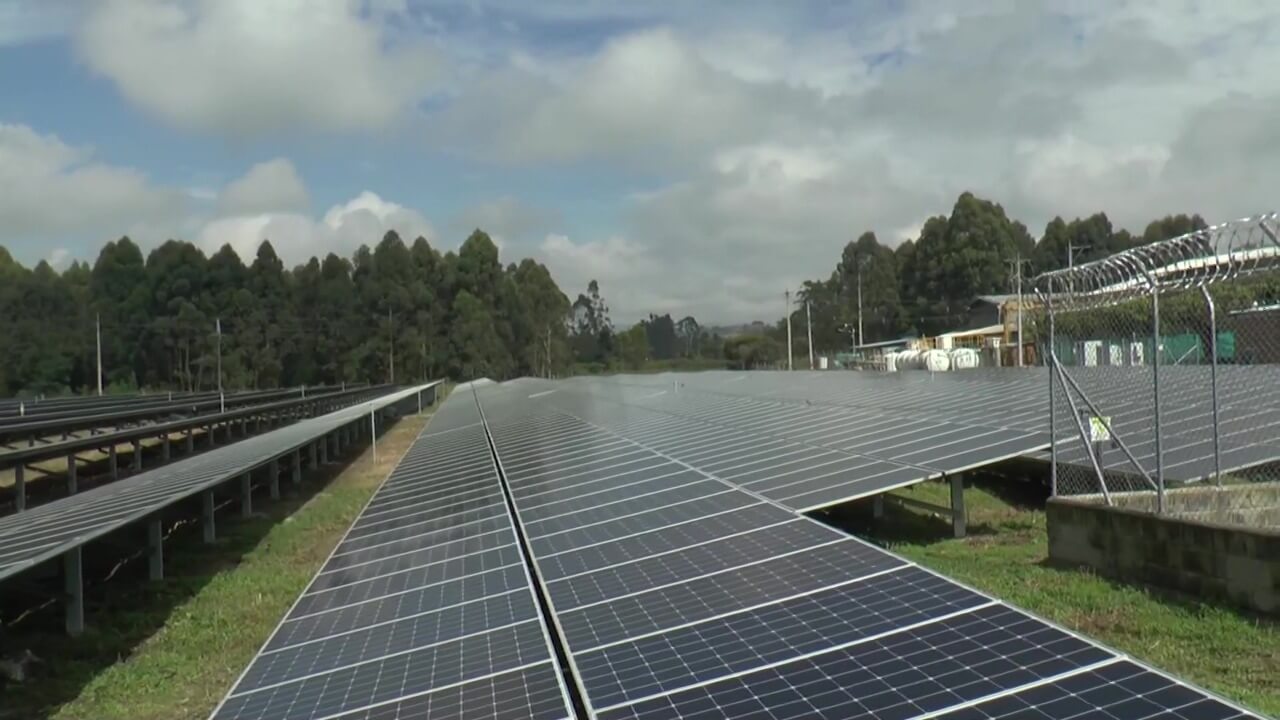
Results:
671 589
36 535
1016 403
805 454
682 593
425 609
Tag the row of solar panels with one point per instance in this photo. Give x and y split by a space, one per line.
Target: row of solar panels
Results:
1016 403
49 530
547 552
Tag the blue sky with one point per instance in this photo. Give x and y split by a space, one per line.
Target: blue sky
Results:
696 158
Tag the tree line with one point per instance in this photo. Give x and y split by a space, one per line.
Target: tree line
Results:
926 285
394 311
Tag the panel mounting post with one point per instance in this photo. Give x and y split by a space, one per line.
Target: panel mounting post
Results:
877 506
313 451
958 519
72 468
164 448
73 589
273 473
246 496
191 441
296 462
137 456
206 517
20 486
155 549
113 462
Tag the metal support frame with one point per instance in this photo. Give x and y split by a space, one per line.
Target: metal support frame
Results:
959 520
877 506
20 487
165 451
113 463
246 496
137 455
335 450
73 485
155 549
324 450
191 440
73 590
313 450
207 525
273 475
296 463
213 441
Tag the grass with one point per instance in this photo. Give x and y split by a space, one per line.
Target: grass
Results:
1230 652
171 650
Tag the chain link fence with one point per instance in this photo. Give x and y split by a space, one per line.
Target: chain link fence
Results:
1164 374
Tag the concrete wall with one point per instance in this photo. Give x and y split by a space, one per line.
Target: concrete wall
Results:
1233 564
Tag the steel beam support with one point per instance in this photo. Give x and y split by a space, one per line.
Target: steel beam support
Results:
246 496
273 471
959 520
155 549
73 485
296 462
207 526
73 590
20 487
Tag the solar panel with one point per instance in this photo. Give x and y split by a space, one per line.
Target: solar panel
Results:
36 535
736 606
424 609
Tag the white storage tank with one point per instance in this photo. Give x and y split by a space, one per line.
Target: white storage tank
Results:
964 359
936 361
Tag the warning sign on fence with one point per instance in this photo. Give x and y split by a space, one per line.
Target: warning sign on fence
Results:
1099 428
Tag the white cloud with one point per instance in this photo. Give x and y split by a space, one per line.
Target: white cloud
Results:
363 220
505 219
268 187
244 67
50 190
23 21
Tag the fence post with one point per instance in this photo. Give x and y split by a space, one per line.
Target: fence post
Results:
1051 362
1213 384
1155 387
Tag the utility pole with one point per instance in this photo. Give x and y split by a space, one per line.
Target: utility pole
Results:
222 403
548 351
97 330
1071 252
1015 268
808 323
391 347
787 295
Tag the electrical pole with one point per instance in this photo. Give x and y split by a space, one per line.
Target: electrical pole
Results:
1071 252
808 323
1015 267
787 295
391 348
97 330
